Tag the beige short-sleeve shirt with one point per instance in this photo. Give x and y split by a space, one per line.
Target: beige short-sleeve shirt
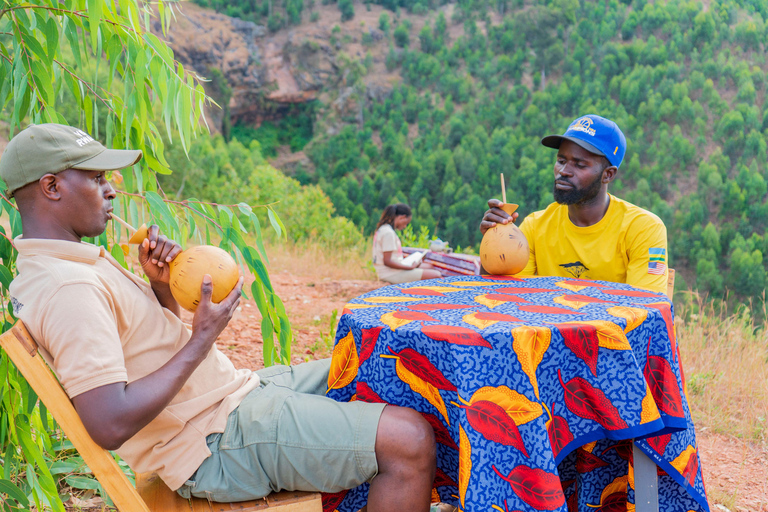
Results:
97 324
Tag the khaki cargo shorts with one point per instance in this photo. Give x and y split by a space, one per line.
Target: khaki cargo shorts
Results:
287 435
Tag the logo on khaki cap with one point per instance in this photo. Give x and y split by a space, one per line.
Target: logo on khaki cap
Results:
84 138
51 148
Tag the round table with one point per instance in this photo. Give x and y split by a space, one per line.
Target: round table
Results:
532 385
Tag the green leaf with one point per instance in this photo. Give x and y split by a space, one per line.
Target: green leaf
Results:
81 482
158 206
52 39
94 20
64 467
117 253
5 276
34 46
9 488
277 224
268 348
71 33
286 336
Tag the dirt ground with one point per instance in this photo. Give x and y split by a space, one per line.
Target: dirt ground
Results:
735 471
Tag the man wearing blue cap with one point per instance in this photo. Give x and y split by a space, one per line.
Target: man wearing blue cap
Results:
588 233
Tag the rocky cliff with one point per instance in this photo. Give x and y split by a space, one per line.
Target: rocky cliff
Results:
268 72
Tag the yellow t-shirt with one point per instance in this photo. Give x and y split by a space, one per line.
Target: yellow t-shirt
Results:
628 245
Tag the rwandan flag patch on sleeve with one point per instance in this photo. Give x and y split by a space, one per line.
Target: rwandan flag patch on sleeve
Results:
657 261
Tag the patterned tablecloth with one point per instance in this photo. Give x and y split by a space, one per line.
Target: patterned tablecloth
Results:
535 388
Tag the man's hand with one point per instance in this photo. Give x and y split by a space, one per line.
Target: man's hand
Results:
113 413
155 252
495 215
211 318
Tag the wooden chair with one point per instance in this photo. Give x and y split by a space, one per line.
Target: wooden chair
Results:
150 494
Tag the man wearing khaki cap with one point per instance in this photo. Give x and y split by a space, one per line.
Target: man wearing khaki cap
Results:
161 395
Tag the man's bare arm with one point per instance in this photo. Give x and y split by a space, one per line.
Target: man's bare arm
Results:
114 413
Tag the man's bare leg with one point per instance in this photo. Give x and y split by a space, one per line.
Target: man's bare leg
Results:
405 452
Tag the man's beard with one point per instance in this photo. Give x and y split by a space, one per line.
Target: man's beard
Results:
578 195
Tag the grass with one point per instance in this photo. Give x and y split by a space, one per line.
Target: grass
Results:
317 262
725 358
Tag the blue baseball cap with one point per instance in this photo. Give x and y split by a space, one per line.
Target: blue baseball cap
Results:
596 134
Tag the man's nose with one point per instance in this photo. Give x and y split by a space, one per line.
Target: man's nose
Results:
110 193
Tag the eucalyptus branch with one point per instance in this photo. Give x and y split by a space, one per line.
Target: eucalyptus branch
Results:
10 240
126 28
5 198
185 202
29 63
87 85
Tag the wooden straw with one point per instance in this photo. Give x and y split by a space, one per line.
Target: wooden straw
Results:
503 189
127 226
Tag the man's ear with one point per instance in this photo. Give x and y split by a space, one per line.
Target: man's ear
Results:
609 173
49 186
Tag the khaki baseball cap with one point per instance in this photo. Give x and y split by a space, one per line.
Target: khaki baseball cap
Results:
50 148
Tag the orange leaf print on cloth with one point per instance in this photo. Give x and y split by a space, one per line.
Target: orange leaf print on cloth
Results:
484 319
577 286
569 302
687 464
344 363
517 406
610 335
473 284
439 291
465 464
530 343
649 412
390 300
395 319
422 377
634 316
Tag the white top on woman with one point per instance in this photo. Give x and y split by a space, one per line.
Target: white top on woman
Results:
384 240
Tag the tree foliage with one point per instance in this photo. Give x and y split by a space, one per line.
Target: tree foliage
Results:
96 64
686 84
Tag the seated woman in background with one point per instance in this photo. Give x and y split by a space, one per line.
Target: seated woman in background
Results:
388 251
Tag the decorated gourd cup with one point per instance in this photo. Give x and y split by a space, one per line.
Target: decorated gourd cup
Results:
504 249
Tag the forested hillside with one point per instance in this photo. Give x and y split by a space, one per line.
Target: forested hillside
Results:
685 81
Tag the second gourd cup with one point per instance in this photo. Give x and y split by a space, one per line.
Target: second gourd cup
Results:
189 267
